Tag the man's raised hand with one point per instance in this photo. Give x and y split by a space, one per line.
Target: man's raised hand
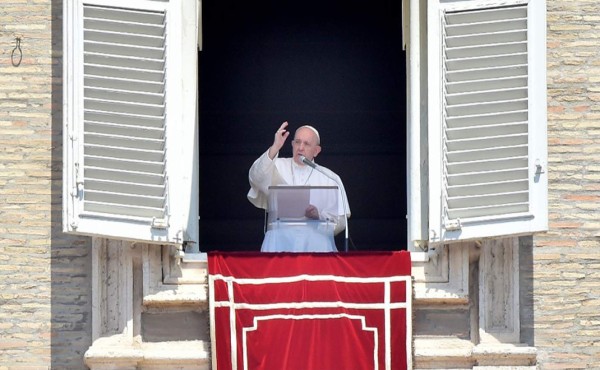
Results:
280 138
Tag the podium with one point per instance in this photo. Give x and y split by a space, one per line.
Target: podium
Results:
290 227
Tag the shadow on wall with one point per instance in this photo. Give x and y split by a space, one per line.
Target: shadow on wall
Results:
71 257
526 292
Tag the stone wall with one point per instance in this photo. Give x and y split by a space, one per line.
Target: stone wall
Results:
567 259
45 276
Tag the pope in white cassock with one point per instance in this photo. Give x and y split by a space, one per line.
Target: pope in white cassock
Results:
270 170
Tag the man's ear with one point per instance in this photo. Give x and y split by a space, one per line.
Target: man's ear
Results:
317 150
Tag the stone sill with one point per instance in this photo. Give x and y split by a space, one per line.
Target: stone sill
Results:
448 353
115 353
178 295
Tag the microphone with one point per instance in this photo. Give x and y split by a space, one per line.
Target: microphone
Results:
308 162
312 164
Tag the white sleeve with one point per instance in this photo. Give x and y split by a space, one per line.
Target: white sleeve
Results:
260 177
344 207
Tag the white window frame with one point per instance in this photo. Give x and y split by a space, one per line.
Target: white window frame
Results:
181 128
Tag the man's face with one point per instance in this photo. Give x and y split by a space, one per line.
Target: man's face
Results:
305 143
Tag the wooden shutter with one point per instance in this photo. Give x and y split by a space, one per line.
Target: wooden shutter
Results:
488 174
118 176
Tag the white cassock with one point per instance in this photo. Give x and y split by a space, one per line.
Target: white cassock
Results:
267 172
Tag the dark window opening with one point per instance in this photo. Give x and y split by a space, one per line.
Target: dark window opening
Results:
337 65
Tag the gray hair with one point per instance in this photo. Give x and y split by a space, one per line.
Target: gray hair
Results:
313 130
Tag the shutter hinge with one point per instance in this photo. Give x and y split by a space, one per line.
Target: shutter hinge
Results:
453 225
78 182
433 236
160 223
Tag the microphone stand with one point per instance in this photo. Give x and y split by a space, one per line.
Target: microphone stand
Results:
312 164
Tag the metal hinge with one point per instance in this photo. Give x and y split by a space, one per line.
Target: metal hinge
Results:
78 181
160 223
452 225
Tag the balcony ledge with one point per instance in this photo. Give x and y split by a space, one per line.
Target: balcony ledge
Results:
450 352
115 353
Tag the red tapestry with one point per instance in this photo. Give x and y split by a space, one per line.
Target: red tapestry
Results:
310 311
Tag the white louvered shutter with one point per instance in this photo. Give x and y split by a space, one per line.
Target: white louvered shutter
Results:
121 109
487 134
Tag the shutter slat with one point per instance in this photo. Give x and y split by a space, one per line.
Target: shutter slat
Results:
125 153
121 96
125 188
116 50
128 40
487 119
102 59
486 153
126 176
487 142
141 74
101 24
124 141
484 38
127 165
486 94
480 51
487 73
486 188
478 28
487 107
124 84
487 165
486 84
124 107
472 212
125 199
485 16
459 64
487 177
124 130
125 119
123 210
474 201
486 131
121 14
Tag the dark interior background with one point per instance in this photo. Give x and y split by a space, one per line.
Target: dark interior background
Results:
335 64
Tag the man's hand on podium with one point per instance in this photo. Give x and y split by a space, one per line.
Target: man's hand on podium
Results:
312 212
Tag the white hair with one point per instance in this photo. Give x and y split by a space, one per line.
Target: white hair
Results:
313 130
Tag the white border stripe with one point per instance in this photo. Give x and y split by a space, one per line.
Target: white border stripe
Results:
388 326
213 339
338 304
232 327
257 319
298 278
408 320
